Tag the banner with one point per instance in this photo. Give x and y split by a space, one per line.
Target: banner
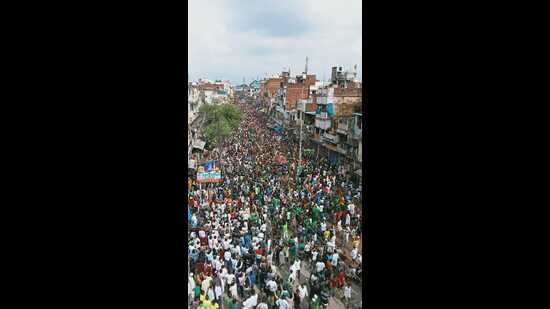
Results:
209 177
208 166
209 172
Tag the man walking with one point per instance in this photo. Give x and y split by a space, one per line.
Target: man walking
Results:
347 295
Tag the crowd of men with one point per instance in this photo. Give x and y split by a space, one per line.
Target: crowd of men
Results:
272 235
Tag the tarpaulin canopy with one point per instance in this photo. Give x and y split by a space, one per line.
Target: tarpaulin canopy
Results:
278 129
199 144
330 109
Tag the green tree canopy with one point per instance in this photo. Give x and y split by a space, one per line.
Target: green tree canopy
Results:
219 122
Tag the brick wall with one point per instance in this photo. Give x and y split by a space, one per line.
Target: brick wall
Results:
311 107
272 85
310 80
294 92
348 92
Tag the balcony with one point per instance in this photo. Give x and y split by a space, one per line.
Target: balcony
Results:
352 141
357 133
342 150
316 137
332 138
322 100
330 146
342 129
323 124
322 115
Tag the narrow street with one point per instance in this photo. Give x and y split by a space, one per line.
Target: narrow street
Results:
306 212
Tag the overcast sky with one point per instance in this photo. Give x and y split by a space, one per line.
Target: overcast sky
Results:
232 39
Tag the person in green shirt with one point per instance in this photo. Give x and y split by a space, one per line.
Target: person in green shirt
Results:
197 290
227 301
301 247
235 305
316 212
292 249
314 303
270 301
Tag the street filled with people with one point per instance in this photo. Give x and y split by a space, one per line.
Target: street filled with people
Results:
275 232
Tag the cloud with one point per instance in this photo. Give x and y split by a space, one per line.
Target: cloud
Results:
270 18
232 39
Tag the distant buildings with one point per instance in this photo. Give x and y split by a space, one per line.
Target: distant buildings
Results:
248 90
198 94
331 111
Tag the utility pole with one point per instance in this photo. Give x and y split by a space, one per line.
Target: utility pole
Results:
301 126
300 154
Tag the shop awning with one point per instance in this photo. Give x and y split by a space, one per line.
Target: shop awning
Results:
199 144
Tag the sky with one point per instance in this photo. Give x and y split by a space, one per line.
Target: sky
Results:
232 39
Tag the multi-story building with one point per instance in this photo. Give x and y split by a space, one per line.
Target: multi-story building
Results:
330 112
334 117
195 99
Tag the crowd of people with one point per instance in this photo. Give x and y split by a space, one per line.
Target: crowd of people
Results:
273 235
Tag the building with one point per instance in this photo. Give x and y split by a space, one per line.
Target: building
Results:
336 106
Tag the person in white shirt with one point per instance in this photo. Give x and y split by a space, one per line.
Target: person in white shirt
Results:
190 286
218 289
302 294
210 293
270 259
354 254
347 294
227 256
330 247
205 284
351 209
335 259
251 302
233 291
283 304
319 266
272 286
262 306
230 279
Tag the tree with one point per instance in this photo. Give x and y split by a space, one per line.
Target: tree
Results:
219 122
